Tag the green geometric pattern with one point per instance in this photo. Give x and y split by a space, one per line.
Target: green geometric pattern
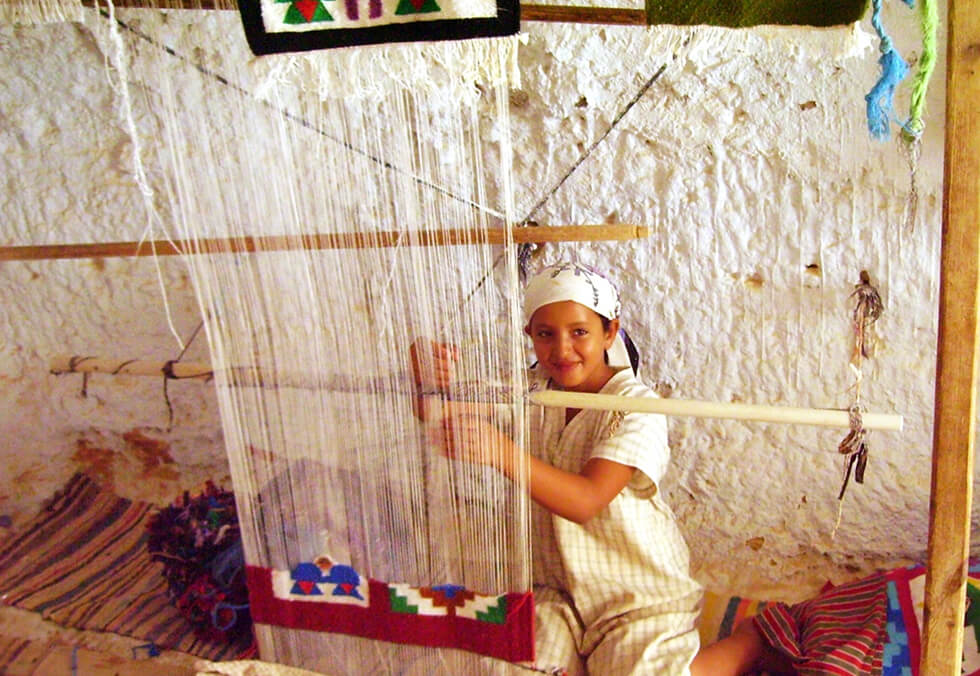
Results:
495 614
400 604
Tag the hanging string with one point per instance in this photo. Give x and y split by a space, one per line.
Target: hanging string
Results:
912 130
867 310
168 374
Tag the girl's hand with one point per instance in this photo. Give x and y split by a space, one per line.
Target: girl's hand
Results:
471 438
433 370
433 364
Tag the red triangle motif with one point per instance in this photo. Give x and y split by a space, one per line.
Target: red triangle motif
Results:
417 4
307 8
306 585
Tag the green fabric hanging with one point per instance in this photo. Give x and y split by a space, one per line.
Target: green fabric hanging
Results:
743 13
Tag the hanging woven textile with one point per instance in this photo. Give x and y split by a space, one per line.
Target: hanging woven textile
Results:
755 12
365 186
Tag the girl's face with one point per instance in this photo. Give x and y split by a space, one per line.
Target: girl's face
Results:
570 345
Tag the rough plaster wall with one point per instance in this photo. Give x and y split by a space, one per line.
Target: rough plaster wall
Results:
745 152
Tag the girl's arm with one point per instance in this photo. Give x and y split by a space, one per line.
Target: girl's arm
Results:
576 497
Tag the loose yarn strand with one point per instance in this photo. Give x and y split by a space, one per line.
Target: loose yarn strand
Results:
929 24
894 69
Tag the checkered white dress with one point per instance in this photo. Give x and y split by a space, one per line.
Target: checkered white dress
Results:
614 595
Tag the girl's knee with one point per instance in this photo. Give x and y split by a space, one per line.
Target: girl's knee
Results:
737 654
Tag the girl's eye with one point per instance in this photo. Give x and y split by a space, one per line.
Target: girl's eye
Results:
581 332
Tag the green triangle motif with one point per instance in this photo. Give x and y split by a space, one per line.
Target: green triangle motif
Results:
410 7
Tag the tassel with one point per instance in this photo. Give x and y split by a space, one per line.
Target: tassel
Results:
893 71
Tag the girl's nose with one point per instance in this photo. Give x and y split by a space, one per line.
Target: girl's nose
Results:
562 345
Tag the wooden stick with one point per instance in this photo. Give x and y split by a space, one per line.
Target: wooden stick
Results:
708 409
129 367
674 407
619 16
523 235
959 291
550 13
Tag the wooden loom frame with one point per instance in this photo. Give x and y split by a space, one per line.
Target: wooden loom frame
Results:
959 337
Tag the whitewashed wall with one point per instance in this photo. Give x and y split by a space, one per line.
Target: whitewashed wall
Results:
747 155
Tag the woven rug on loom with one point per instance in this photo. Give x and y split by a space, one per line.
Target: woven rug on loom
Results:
82 563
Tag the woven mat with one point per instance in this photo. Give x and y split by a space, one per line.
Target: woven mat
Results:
82 563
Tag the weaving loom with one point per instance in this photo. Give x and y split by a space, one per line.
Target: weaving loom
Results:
351 524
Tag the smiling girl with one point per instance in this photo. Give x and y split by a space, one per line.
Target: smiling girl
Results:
612 590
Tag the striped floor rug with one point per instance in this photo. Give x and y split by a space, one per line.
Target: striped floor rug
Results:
82 563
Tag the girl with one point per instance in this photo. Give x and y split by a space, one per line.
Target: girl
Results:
612 589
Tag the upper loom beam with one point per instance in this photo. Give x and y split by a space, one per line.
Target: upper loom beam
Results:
359 240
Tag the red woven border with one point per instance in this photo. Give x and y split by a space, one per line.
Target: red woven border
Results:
512 641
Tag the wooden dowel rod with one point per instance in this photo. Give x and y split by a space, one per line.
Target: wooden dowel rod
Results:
673 407
621 16
707 409
956 382
129 367
565 233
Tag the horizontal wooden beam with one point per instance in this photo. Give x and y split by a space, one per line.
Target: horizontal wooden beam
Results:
619 16
359 240
825 417
673 407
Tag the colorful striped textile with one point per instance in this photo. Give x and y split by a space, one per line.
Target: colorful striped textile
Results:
841 632
82 563
871 626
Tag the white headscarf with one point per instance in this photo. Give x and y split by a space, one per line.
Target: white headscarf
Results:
574 282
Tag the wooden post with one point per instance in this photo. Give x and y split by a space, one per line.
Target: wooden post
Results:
953 437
